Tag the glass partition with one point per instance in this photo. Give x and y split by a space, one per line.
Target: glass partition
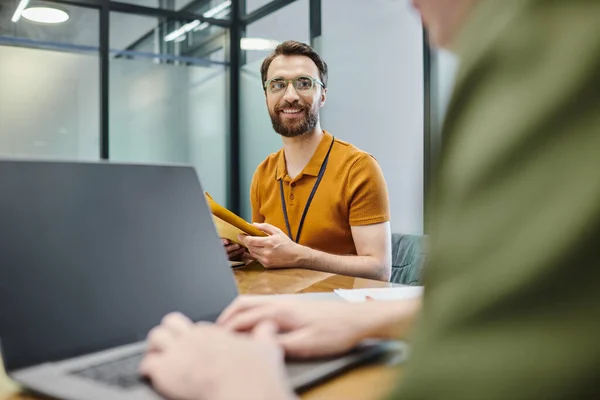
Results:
49 85
167 106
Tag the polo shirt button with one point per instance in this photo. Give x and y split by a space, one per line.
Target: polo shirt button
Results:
293 184
291 197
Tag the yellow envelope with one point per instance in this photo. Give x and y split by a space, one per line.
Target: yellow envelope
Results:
228 224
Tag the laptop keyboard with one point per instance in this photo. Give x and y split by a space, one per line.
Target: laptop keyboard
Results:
122 372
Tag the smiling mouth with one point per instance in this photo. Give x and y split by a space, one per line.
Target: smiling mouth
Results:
291 111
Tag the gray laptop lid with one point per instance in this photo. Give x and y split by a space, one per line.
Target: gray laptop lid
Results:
92 255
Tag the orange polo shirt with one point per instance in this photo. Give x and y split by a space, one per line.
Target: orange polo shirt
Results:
352 192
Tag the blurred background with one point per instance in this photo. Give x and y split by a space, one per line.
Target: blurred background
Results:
178 81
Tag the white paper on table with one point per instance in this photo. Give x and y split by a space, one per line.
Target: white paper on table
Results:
392 293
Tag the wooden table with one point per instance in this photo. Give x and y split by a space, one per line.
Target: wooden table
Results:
370 382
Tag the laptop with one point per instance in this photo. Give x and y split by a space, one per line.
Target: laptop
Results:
92 256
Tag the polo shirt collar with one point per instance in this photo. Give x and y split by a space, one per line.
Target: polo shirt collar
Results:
314 165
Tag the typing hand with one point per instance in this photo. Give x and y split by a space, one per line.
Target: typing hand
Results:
185 361
307 328
274 251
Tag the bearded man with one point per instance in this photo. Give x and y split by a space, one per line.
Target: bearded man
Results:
323 202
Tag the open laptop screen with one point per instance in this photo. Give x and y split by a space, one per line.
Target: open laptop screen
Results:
92 255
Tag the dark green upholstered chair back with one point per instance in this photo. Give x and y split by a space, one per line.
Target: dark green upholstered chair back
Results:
408 258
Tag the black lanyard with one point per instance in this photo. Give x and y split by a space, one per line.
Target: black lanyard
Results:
312 194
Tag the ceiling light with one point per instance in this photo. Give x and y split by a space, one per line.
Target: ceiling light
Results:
45 15
17 15
258 44
195 25
181 31
214 11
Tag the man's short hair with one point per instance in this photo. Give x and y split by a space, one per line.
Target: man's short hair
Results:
293 48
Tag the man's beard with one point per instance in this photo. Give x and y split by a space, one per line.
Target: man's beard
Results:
294 128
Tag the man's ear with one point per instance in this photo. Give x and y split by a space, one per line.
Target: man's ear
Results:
323 96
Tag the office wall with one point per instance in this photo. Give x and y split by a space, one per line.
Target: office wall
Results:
444 68
253 5
375 98
48 104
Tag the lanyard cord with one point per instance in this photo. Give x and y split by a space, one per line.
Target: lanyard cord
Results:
310 198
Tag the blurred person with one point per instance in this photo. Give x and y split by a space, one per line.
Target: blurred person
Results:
512 300
323 202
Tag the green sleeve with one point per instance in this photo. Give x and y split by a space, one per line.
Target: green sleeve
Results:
512 299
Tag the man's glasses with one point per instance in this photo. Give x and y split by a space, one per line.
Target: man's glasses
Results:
302 84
